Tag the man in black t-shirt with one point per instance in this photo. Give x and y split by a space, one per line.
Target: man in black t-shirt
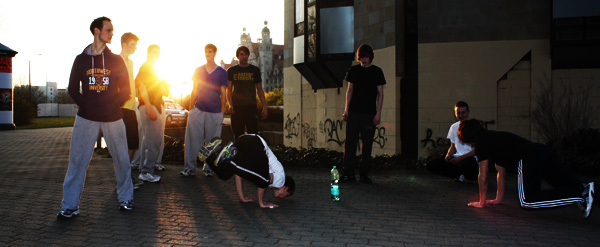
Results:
244 83
364 99
533 161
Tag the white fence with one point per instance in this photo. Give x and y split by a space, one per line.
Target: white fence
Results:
56 110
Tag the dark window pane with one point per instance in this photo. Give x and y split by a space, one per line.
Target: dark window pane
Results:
337 30
312 46
300 29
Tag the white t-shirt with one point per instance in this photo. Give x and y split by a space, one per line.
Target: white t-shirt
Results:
461 148
275 167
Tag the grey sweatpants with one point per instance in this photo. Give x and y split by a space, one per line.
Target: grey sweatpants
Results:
201 126
136 156
152 142
85 134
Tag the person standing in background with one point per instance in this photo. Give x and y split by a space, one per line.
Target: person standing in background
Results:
244 83
207 104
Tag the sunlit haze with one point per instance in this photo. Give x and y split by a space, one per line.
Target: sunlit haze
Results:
49 34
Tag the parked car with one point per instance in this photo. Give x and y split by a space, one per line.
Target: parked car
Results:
176 114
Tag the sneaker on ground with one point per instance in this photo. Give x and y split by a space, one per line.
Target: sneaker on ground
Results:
187 173
207 173
209 149
588 197
159 167
147 177
126 205
67 213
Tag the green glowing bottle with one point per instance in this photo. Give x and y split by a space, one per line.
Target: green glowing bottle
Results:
335 189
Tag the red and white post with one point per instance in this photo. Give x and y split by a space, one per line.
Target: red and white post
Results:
6 89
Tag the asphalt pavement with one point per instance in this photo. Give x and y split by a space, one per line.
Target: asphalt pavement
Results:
402 208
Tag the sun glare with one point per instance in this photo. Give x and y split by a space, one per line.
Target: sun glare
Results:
181 33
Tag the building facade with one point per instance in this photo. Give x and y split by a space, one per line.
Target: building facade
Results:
499 56
50 91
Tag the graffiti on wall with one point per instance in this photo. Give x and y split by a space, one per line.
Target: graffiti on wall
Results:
379 137
435 143
331 128
292 126
310 134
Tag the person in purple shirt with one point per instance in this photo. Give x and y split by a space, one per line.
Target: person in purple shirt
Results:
207 104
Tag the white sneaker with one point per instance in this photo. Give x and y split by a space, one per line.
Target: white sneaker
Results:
147 177
159 167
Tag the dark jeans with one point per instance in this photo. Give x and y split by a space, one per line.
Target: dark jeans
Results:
363 124
244 118
468 167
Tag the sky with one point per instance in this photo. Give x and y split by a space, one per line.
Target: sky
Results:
50 34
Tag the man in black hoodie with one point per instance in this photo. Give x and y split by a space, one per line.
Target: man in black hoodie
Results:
99 85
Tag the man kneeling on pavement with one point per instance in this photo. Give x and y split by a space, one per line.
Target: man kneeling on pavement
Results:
250 158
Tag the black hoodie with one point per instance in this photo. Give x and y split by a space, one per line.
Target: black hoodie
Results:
99 85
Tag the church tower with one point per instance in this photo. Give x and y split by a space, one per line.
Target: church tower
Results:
266 56
246 41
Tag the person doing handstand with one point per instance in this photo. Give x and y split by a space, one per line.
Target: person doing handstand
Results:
249 158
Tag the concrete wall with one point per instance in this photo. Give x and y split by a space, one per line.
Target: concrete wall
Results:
472 71
56 110
469 20
374 22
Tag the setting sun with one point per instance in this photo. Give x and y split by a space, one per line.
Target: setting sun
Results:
180 28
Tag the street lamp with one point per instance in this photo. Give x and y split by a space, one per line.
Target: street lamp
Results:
30 96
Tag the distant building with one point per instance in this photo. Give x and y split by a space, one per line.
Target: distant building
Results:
265 55
50 91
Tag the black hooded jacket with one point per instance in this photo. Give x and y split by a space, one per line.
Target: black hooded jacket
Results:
99 85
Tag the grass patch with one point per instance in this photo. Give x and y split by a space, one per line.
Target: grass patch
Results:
52 122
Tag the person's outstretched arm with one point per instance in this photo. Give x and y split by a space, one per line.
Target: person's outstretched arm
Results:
261 195
501 178
483 171
239 186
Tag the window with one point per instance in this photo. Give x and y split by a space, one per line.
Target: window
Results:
324 41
